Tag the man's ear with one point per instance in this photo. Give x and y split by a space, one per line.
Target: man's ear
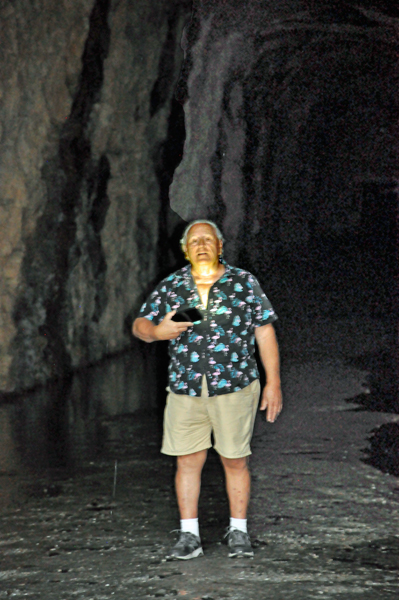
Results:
220 247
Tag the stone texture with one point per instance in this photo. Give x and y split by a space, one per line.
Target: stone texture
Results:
40 65
84 109
290 111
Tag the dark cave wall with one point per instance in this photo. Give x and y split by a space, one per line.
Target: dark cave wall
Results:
291 113
84 113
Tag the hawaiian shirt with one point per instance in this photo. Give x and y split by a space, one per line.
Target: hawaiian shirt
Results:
222 345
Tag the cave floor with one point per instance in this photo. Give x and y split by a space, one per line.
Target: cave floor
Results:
324 523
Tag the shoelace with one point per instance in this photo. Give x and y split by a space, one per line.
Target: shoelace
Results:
231 529
184 532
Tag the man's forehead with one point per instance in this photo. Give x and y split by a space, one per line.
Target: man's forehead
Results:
201 227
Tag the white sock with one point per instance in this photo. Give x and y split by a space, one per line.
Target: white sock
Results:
240 524
190 525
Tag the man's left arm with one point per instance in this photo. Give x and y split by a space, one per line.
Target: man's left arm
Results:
269 354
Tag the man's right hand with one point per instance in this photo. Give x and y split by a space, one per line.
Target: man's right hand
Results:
145 330
168 329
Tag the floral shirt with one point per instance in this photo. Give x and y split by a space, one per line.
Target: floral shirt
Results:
222 345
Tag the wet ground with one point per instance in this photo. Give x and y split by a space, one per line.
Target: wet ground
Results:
87 503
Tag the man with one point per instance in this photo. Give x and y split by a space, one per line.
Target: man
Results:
213 378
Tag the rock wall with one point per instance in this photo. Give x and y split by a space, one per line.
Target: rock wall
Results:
290 111
87 94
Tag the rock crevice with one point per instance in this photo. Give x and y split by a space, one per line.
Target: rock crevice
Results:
86 107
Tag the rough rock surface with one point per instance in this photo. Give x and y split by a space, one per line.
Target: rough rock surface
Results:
290 114
87 89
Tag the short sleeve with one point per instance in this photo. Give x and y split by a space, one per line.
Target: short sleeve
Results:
262 310
154 307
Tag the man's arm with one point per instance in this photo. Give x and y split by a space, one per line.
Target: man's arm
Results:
147 331
269 354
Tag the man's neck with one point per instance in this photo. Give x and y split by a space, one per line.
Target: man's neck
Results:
207 272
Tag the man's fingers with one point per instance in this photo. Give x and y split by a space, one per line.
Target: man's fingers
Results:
170 314
170 330
183 326
271 401
272 414
178 325
179 328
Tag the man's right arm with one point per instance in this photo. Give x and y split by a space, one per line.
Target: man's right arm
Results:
147 331
144 329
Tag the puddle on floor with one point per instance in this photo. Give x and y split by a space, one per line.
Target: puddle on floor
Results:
47 432
383 452
381 395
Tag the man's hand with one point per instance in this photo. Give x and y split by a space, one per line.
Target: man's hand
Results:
146 331
169 330
272 399
268 350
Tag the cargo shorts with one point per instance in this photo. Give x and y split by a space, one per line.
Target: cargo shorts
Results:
190 422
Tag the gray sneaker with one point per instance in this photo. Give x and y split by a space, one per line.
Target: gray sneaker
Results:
239 543
188 546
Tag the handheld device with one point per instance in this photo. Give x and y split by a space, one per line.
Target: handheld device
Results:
191 315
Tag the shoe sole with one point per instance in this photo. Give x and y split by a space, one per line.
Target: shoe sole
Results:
248 554
197 552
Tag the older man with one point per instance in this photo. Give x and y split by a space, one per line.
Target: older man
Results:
213 377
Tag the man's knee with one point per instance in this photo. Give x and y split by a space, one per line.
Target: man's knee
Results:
191 462
235 464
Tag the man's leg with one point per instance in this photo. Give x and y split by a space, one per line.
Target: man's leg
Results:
188 483
238 485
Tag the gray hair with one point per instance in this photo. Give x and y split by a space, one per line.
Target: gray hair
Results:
183 240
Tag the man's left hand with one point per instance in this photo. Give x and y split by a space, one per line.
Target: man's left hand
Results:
272 400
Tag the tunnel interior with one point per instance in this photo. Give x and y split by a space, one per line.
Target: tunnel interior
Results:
340 267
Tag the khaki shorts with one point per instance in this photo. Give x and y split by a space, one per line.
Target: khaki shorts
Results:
190 420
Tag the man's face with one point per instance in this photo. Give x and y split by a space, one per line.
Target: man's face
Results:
203 246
